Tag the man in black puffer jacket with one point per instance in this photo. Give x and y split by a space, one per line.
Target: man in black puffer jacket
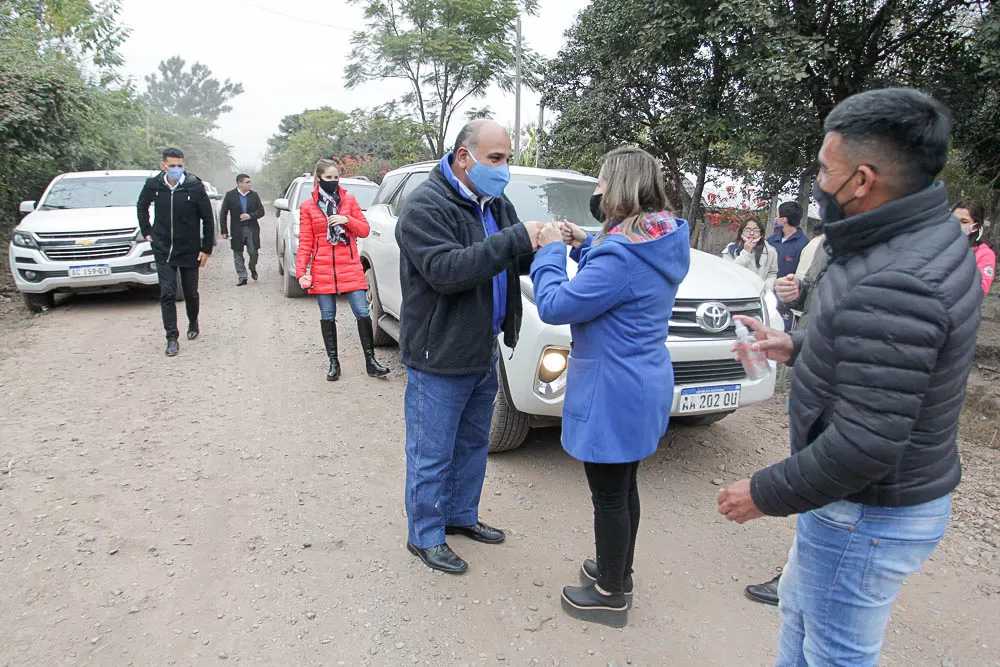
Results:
878 385
182 235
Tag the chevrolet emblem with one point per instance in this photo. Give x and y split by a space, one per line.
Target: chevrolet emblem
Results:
86 242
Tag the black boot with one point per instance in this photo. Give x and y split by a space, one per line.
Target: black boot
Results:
329 328
374 368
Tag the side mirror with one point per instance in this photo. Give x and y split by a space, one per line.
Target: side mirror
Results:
216 197
27 207
281 204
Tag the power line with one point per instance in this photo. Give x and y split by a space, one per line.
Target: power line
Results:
266 10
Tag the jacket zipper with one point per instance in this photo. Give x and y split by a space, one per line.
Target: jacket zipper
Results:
171 251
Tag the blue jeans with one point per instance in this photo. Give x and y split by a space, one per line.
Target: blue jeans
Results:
447 437
843 574
328 304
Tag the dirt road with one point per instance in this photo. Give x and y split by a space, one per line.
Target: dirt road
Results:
231 504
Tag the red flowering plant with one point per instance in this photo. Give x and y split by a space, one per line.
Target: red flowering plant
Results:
728 208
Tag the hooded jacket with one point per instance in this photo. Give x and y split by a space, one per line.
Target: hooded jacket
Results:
986 259
768 269
881 372
183 222
620 382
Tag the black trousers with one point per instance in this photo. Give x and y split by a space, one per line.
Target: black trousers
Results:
615 492
168 295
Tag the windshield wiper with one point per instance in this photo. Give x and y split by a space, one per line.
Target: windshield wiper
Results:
54 206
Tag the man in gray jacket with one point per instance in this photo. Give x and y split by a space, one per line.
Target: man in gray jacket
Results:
878 384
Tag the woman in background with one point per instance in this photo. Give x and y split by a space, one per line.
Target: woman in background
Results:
970 215
752 252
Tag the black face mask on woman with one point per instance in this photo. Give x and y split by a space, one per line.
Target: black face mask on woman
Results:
329 187
595 206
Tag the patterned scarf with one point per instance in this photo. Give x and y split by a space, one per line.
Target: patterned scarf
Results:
656 225
329 204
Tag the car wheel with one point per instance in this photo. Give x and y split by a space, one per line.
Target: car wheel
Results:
290 286
510 426
380 337
39 303
281 255
700 420
180 288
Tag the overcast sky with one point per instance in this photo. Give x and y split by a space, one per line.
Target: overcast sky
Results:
290 56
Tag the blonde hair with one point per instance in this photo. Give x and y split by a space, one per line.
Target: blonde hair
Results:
634 189
322 166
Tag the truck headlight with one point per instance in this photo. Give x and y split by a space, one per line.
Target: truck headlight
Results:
552 371
25 240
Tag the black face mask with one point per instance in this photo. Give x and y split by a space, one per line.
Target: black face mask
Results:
831 210
329 187
595 206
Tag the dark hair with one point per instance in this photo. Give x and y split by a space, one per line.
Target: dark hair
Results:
975 209
736 246
791 211
172 152
242 177
901 131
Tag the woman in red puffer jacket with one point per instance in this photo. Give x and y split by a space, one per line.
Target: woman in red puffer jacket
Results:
328 264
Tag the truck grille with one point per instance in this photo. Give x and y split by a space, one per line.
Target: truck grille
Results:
683 322
708 372
87 253
69 236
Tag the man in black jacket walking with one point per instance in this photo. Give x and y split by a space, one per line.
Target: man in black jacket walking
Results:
878 384
244 209
462 250
182 234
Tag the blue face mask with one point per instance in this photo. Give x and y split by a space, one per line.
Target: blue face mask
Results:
175 173
489 181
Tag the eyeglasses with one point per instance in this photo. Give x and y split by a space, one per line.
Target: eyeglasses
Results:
752 232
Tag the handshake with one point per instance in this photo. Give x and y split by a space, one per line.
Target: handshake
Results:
557 231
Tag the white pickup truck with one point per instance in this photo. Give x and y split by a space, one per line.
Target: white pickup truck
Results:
709 383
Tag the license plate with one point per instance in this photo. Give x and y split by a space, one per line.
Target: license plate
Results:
89 271
710 399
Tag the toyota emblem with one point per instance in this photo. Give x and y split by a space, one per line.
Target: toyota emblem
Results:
713 317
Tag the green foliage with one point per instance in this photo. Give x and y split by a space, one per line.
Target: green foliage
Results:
744 85
449 51
369 141
190 94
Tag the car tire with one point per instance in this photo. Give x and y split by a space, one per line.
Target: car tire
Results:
379 335
510 426
39 303
290 286
700 420
280 254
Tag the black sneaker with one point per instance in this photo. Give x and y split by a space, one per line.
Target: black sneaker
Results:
766 593
172 347
589 605
242 282
588 576
253 273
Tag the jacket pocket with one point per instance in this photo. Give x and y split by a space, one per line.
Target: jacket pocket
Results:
581 383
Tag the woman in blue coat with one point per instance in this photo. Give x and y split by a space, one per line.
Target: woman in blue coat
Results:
620 383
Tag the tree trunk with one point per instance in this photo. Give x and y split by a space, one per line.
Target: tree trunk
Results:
805 194
695 213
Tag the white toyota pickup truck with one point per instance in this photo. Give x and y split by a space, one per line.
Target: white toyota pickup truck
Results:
709 383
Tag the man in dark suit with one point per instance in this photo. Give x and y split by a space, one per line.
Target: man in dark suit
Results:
244 207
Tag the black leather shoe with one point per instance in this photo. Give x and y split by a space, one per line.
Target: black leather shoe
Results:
242 282
253 273
480 533
193 331
588 605
588 576
767 593
440 558
172 347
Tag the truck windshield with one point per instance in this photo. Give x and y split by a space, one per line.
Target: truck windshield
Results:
97 192
550 197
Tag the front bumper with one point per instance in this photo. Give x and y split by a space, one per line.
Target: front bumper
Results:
707 363
135 269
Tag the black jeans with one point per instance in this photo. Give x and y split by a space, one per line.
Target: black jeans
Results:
615 493
168 295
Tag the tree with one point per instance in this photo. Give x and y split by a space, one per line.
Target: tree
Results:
191 94
368 142
449 51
